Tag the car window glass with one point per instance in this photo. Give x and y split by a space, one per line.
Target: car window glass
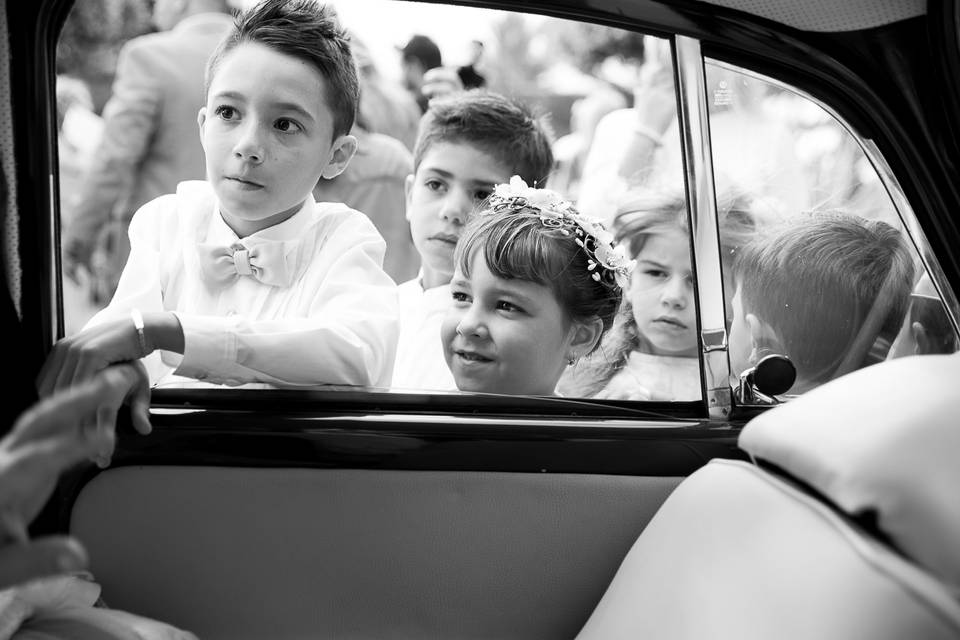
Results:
606 96
828 275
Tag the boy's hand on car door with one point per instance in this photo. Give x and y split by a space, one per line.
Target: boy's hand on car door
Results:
79 357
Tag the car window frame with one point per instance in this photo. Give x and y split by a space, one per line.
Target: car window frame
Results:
718 407
693 114
905 213
170 398
909 221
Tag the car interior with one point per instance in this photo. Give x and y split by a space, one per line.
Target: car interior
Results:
744 512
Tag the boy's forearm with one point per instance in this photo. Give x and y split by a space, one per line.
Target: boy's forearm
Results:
162 330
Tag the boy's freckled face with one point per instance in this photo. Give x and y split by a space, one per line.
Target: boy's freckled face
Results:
267 134
453 178
512 338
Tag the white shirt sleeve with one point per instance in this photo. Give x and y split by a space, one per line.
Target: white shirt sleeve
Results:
139 285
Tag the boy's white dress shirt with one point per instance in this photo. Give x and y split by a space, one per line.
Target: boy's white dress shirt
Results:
335 323
420 362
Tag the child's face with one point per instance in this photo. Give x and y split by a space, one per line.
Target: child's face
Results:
452 179
504 336
661 293
268 136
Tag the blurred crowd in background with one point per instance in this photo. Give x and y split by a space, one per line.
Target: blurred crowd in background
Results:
586 80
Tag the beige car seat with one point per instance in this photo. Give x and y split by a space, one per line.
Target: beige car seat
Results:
847 526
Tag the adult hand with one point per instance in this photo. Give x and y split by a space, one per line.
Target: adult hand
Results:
77 358
53 555
48 438
441 81
42 608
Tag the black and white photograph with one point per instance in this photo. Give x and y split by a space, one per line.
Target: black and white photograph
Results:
480 320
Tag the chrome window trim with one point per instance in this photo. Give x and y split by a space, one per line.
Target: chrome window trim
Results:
912 226
514 422
58 323
374 419
890 184
693 113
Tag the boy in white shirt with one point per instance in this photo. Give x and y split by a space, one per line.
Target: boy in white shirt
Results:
467 143
244 277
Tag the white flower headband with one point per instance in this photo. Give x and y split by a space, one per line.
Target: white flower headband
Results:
607 262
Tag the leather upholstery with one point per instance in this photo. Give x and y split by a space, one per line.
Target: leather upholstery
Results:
884 441
314 553
737 552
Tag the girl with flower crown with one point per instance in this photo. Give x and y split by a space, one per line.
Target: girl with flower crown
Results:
652 351
535 287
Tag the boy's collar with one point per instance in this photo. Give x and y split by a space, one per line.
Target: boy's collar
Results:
289 229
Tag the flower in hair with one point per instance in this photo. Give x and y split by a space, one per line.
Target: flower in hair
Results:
605 260
549 202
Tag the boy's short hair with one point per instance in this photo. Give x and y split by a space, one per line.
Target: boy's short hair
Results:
308 31
828 283
501 127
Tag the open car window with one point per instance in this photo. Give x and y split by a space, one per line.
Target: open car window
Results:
622 152
606 97
825 271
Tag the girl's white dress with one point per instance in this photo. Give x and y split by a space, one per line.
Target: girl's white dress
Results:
664 378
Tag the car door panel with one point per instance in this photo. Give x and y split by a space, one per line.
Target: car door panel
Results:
234 552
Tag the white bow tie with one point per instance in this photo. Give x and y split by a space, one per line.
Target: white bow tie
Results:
269 261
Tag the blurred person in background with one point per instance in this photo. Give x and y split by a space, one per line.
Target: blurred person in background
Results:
78 131
373 182
385 106
570 150
469 73
418 56
149 142
640 145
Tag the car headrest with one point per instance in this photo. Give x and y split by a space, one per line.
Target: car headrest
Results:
883 439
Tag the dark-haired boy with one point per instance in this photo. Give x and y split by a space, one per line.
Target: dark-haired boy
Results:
467 143
244 277
822 289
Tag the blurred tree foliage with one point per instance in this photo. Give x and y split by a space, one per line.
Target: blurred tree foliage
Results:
527 47
91 39
513 67
588 45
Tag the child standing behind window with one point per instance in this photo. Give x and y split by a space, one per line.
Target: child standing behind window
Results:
467 143
244 277
536 285
652 351
822 288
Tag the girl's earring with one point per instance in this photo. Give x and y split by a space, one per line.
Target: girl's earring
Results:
571 361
